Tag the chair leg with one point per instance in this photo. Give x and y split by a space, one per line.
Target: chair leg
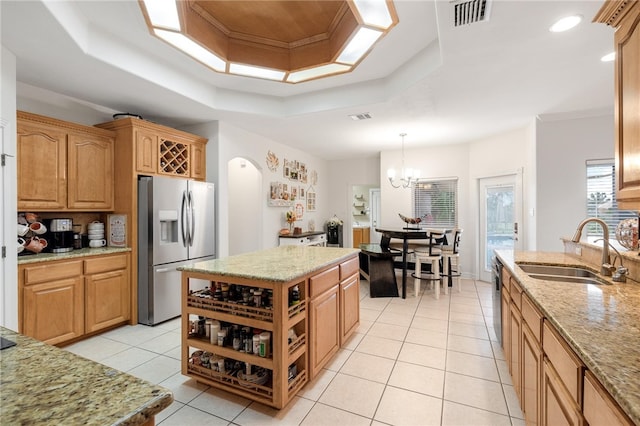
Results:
435 266
416 280
445 274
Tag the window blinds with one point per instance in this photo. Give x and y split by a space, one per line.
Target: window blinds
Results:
601 197
435 201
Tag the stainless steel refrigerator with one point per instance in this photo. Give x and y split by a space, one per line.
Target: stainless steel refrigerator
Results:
175 228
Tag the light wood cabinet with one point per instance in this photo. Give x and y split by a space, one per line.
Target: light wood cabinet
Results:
63 300
361 236
531 361
146 153
349 299
599 408
324 328
515 328
624 16
198 161
107 292
63 166
558 407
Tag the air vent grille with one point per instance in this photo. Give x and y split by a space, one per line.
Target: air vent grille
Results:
470 11
362 116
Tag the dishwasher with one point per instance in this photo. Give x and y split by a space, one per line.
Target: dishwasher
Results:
496 274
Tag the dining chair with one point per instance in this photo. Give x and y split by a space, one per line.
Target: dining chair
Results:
451 260
430 253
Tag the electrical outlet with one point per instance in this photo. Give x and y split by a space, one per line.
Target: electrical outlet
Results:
578 250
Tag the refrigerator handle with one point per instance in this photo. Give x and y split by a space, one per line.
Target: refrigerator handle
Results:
183 217
192 230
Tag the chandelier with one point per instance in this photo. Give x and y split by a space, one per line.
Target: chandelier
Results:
407 176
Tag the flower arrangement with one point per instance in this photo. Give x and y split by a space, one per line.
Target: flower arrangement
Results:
291 218
334 222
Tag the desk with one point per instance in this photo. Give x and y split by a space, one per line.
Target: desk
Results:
406 234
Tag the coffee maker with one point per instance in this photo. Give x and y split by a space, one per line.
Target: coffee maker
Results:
59 235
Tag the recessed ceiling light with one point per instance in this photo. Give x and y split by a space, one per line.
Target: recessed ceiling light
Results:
608 57
565 23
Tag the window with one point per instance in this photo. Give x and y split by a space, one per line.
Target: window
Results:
435 201
601 198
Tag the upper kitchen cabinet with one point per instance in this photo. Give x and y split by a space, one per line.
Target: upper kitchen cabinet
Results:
153 149
624 16
63 165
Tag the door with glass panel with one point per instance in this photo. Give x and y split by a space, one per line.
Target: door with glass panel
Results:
498 218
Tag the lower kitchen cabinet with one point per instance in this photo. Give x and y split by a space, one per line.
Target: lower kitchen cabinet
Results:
558 407
361 236
349 307
107 292
61 301
599 408
324 328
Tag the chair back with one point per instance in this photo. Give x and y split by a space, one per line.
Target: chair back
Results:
436 240
456 239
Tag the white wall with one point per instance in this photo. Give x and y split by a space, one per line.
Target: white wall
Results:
245 206
563 146
233 142
8 199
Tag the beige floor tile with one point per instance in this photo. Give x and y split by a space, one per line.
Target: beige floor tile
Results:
323 415
431 324
220 403
174 353
188 416
368 367
503 372
379 346
466 318
97 348
479 393
157 369
338 360
353 341
395 318
388 331
470 345
369 314
171 325
134 334
498 353
162 343
427 356
426 337
457 415
460 303
175 406
375 303
261 415
406 408
517 422
472 365
353 394
468 330
184 388
512 402
416 378
128 359
436 312
364 326
312 390
459 308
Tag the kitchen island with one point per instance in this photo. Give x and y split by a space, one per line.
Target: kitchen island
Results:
599 323
45 385
302 303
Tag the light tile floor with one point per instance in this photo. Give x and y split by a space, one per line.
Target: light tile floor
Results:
414 361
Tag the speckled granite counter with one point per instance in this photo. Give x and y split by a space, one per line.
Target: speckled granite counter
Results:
44 385
47 257
600 322
279 264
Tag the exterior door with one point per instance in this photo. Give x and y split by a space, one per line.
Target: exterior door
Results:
374 205
499 218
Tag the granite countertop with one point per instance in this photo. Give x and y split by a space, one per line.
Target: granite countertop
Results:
45 385
47 257
279 264
601 323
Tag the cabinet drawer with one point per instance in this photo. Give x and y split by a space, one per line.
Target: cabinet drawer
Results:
51 272
599 407
564 361
516 293
532 317
320 283
349 268
105 263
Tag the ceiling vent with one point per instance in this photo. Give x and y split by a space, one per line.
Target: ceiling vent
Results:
466 12
358 117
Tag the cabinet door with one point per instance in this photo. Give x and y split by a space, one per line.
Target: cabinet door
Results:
599 408
558 408
515 328
41 167
146 152
107 296
90 168
366 236
627 107
349 307
357 237
54 312
324 328
531 376
506 323
198 161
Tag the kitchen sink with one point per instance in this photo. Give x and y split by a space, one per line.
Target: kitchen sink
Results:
568 274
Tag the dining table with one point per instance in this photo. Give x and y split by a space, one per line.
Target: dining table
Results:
407 234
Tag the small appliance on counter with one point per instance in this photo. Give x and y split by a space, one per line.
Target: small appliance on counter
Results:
59 235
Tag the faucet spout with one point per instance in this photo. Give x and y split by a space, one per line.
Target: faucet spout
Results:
605 268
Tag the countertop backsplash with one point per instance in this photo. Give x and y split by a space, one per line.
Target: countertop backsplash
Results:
592 254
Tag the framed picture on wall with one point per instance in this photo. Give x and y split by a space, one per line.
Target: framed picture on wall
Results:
311 201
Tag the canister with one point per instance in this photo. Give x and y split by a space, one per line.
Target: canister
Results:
265 344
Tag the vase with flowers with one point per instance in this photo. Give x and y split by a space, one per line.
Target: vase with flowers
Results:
291 218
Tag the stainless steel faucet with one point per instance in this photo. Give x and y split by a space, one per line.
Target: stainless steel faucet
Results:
605 268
